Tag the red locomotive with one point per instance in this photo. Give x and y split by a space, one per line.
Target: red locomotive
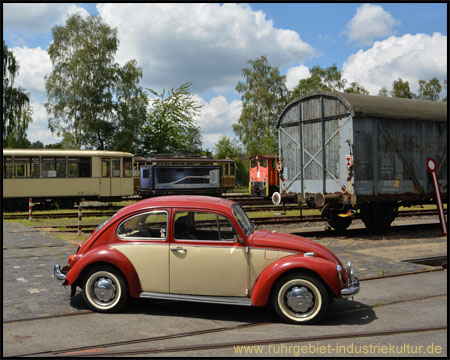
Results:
264 176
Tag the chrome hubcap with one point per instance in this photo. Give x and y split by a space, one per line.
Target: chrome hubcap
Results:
299 299
104 289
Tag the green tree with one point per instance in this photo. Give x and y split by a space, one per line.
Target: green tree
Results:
430 90
355 88
228 148
16 104
328 79
264 95
383 92
400 89
170 125
131 109
86 88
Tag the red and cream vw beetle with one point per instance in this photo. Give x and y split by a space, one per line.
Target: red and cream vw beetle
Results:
205 249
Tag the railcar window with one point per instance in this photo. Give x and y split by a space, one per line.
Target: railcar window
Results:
60 167
263 162
53 167
253 163
79 167
20 167
105 167
7 167
232 169
225 169
127 167
35 170
116 167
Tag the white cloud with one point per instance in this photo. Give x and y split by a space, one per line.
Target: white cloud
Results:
295 74
410 57
207 44
29 19
34 64
369 22
38 129
217 118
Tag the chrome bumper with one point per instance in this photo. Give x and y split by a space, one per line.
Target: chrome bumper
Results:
351 290
58 274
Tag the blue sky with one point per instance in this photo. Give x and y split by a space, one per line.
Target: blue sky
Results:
209 44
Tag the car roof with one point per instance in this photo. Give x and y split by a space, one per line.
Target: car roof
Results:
180 201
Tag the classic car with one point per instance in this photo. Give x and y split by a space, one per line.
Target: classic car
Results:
204 249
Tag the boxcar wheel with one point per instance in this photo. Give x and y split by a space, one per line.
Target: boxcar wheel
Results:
340 223
300 299
104 289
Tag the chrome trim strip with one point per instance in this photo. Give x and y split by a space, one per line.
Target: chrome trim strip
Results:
352 290
227 300
58 274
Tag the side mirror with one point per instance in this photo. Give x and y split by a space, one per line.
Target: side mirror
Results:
238 240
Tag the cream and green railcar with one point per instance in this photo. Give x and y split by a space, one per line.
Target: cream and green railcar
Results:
65 176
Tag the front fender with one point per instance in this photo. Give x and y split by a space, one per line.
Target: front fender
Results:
325 269
106 254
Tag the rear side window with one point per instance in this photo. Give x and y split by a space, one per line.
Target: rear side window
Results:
149 225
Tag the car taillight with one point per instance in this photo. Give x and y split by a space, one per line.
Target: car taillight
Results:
71 258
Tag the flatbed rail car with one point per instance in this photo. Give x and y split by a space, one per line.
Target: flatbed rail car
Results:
264 177
180 174
64 177
344 153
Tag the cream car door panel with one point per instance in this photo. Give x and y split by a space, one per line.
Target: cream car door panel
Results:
208 270
151 261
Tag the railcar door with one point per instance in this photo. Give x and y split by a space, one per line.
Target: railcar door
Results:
204 259
105 178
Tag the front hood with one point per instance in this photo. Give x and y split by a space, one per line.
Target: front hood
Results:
269 239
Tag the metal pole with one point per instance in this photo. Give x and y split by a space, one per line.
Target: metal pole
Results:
431 166
30 207
80 210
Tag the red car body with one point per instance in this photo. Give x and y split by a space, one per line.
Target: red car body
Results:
241 265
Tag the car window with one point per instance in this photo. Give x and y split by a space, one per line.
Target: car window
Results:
243 220
150 225
202 225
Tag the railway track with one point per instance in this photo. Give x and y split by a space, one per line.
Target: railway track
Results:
256 220
100 349
248 209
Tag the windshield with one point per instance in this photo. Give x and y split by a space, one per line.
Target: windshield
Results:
104 223
246 225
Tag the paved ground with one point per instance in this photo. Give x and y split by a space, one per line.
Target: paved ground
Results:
29 288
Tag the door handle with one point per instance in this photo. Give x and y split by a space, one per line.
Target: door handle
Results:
178 249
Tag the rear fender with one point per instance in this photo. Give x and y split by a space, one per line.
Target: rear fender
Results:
325 269
108 255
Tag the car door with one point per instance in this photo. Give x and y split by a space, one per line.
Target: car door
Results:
145 243
204 259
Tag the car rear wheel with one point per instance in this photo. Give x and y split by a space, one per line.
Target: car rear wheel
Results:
105 289
300 299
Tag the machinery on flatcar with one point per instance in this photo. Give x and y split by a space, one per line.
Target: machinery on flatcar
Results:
63 177
164 174
264 177
358 155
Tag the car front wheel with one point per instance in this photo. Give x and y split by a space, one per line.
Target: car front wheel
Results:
105 289
300 299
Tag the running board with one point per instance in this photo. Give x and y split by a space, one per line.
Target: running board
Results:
227 300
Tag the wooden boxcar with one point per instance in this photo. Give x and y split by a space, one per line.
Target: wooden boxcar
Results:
65 176
264 177
345 152
167 169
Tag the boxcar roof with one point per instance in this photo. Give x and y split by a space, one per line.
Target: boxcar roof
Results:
63 152
381 106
